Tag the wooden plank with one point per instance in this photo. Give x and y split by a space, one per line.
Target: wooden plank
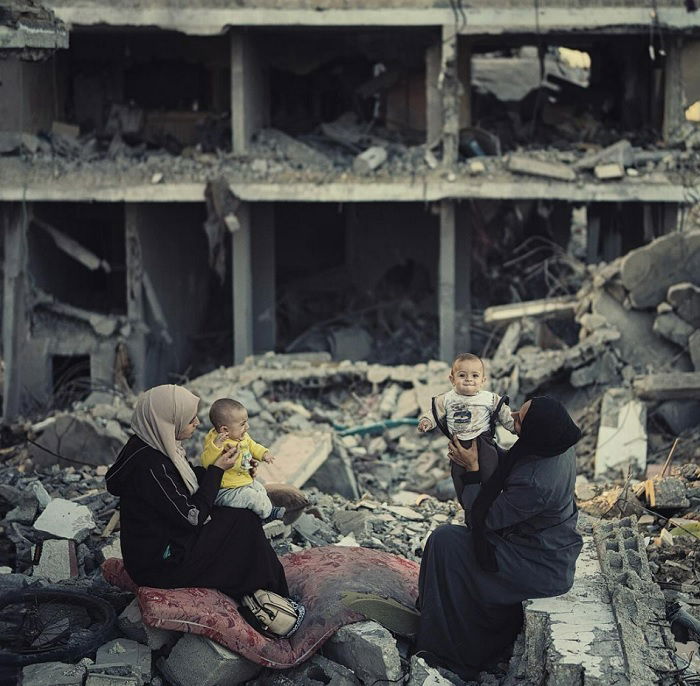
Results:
670 386
503 314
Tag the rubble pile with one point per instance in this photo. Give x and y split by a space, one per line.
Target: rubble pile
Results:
345 432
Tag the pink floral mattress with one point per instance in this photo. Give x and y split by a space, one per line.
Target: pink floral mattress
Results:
319 577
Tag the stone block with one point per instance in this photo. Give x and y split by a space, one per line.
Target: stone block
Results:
40 493
671 327
622 436
53 674
128 653
356 522
667 493
66 519
298 455
24 512
685 299
57 561
114 549
609 170
649 271
368 649
317 670
198 660
108 679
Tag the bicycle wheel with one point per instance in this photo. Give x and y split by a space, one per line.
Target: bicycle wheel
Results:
45 625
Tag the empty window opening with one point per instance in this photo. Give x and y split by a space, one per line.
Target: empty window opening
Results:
71 380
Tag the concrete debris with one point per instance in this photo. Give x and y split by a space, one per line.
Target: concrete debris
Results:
66 519
53 674
668 386
368 649
369 160
609 171
123 652
294 150
685 300
671 327
551 170
666 493
198 660
57 560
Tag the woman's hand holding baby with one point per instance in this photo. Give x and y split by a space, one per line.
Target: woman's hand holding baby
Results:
227 458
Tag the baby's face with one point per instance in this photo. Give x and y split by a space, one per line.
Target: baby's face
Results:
238 424
467 377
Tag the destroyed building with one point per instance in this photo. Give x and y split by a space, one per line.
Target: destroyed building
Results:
186 184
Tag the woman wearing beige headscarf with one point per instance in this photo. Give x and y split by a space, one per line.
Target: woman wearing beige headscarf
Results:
171 534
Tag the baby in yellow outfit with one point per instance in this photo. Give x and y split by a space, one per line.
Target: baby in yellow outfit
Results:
238 488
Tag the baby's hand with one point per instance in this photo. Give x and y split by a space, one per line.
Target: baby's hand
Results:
267 457
424 425
220 438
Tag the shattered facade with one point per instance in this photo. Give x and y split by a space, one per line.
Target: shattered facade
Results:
189 185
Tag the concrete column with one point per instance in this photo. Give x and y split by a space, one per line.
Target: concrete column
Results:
464 76
14 313
674 111
450 96
446 280
433 98
264 298
242 283
134 293
463 276
250 102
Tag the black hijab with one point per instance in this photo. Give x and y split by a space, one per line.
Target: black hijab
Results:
546 431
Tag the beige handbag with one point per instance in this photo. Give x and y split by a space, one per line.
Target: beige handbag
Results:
271 614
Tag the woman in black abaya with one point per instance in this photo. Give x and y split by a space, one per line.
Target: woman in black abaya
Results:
522 544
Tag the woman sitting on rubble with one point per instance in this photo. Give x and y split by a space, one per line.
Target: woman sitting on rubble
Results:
171 534
522 544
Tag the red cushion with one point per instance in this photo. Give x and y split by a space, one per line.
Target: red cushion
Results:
317 576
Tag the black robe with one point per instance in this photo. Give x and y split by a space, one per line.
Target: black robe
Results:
469 616
173 539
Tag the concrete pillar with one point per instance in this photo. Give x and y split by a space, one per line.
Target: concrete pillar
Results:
446 280
450 96
14 313
674 110
264 294
242 283
135 294
433 98
250 102
463 276
464 76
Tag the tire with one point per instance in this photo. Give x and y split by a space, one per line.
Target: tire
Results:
37 609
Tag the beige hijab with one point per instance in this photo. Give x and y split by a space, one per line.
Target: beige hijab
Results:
161 414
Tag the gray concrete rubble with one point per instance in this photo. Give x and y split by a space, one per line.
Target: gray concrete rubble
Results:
57 560
66 519
53 674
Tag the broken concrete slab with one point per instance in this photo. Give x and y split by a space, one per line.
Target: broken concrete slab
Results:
79 438
620 152
298 455
199 660
53 674
671 327
125 652
694 349
649 271
294 150
66 519
57 561
368 649
317 670
573 638
131 624
680 415
637 344
422 675
666 493
673 386
551 170
622 436
685 299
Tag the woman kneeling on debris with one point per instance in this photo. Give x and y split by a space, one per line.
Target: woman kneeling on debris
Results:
171 534
522 544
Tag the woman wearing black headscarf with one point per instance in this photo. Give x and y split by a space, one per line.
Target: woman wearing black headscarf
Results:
522 544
